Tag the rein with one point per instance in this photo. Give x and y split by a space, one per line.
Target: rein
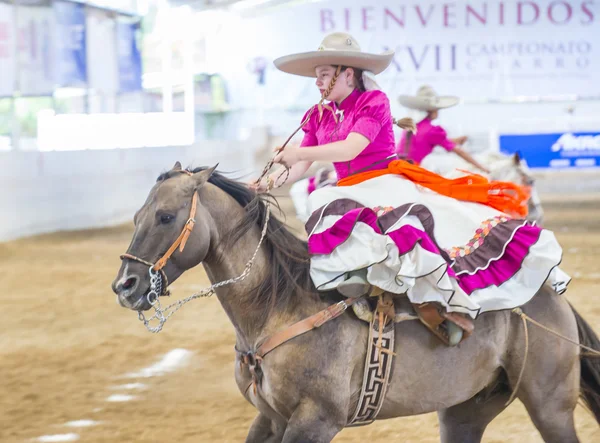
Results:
158 279
159 282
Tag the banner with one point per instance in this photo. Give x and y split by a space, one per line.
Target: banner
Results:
130 59
477 49
7 50
35 50
102 51
568 150
71 66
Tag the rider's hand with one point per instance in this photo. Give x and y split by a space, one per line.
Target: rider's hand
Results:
461 140
259 186
288 157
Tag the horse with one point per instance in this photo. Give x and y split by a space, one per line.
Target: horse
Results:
309 386
502 168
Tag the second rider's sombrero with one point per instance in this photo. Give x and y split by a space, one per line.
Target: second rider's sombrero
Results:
336 49
427 100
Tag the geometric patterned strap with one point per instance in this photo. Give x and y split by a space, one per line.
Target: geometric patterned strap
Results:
376 376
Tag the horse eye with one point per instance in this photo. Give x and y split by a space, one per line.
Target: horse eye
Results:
166 219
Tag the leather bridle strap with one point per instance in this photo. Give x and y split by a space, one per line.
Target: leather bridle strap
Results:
183 237
164 290
179 242
134 258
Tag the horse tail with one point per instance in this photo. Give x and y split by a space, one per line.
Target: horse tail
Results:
590 367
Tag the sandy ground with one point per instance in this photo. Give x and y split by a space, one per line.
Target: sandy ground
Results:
65 344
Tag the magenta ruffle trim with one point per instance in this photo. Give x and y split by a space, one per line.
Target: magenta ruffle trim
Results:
497 271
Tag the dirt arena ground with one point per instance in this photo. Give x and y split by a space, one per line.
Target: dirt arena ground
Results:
65 345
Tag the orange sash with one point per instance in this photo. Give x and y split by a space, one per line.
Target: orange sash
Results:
503 196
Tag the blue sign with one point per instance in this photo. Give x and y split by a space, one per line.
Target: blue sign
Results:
566 150
130 59
71 64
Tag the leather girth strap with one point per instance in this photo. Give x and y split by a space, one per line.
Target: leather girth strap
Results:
303 326
253 359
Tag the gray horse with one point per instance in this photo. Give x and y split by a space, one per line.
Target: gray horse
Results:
310 386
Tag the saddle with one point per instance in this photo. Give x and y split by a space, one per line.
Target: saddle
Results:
399 308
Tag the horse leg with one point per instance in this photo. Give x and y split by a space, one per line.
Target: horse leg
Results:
550 385
313 423
466 422
551 403
263 429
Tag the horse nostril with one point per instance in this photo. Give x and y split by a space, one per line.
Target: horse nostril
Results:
126 285
129 283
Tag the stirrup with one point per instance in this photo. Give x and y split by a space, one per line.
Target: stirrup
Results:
438 321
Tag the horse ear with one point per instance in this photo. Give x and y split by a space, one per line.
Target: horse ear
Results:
203 176
176 167
517 158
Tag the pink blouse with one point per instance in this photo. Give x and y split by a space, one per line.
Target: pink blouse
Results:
422 143
367 113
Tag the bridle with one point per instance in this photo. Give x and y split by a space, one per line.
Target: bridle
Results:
158 279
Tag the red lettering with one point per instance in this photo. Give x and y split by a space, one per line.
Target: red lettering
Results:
536 10
501 13
568 10
400 21
587 12
481 18
448 14
327 23
424 20
366 18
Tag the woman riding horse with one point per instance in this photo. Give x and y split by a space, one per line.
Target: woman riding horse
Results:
392 225
417 146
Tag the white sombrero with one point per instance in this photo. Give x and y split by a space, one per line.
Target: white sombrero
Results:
337 48
427 100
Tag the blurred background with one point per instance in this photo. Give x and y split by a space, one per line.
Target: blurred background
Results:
99 97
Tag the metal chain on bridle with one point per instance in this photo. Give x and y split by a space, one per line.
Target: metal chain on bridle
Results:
156 286
158 279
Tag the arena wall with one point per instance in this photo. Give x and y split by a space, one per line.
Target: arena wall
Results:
54 191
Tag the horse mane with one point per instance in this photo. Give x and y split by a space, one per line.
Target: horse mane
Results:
496 155
287 276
